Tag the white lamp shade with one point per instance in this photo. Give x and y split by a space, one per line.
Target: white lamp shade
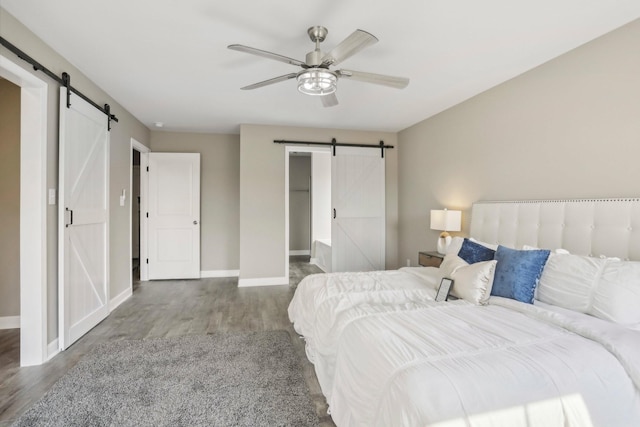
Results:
446 220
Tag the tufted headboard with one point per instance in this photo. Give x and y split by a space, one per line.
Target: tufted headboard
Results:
594 227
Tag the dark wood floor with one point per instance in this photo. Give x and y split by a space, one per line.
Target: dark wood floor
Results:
162 309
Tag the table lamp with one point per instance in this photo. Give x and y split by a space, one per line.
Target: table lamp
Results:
445 220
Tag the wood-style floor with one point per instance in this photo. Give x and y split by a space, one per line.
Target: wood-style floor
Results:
162 309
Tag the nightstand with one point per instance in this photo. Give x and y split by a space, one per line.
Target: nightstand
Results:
430 259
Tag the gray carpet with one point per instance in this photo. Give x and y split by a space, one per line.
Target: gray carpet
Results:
224 379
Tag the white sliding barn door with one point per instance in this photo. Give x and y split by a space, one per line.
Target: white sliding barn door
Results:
174 216
357 193
83 256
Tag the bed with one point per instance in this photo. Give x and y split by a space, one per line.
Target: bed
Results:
387 354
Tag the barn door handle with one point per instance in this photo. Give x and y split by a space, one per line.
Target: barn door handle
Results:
70 217
334 213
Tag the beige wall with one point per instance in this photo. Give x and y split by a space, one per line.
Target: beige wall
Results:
9 199
262 218
567 129
121 134
219 192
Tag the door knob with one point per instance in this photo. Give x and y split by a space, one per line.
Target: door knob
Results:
195 222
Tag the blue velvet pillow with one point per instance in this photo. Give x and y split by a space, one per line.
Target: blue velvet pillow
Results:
517 273
473 252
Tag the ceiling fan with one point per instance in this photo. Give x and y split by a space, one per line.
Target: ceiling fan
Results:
316 78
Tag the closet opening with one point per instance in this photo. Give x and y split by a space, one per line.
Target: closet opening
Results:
138 191
300 204
307 209
135 216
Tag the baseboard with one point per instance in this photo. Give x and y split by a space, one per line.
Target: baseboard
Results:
219 273
10 322
265 281
300 252
53 348
119 299
322 267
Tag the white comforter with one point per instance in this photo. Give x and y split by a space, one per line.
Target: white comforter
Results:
383 360
320 295
324 302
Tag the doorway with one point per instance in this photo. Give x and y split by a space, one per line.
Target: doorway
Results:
138 190
33 214
135 216
300 197
307 203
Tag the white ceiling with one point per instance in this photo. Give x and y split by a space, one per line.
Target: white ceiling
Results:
167 60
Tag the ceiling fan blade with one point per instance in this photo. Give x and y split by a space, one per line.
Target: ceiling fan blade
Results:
379 79
265 54
348 47
330 100
270 81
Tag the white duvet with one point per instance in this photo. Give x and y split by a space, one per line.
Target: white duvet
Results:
388 357
320 295
324 302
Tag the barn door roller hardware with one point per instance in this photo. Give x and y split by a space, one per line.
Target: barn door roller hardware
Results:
64 81
333 144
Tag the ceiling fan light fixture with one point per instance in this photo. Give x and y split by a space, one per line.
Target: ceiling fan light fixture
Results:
317 81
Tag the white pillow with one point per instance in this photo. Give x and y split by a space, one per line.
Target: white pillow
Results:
471 282
474 282
617 296
451 263
557 251
569 281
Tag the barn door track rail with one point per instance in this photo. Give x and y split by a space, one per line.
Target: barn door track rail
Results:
65 80
335 144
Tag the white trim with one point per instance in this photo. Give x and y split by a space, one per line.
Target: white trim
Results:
10 322
119 299
300 252
219 273
266 281
33 212
53 349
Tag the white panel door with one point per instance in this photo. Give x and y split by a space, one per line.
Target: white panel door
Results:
357 193
83 266
174 215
